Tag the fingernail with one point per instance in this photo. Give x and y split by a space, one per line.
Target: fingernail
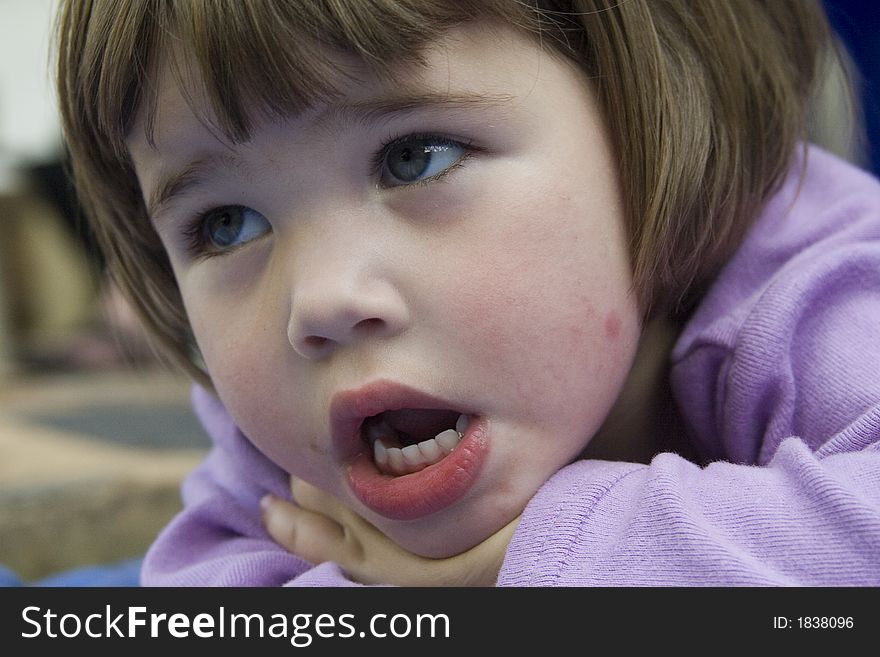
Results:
266 501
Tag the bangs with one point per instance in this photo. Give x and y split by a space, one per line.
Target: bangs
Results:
275 58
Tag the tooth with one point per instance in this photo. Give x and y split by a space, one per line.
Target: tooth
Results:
395 461
448 439
431 450
380 452
413 457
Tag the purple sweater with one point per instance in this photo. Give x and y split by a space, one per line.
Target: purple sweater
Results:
777 375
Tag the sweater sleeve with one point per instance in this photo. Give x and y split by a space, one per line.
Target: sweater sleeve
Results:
218 539
778 378
801 520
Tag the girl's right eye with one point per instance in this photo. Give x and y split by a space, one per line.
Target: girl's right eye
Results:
224 229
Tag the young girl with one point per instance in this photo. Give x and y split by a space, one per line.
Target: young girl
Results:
545 293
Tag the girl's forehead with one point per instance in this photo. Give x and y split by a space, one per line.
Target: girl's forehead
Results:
466 66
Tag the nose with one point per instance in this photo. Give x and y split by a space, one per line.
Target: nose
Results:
334 307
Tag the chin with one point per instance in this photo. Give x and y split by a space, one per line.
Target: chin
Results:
439 538
438 547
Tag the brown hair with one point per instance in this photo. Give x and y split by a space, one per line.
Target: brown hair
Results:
705 101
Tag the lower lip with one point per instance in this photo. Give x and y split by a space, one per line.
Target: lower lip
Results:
427 491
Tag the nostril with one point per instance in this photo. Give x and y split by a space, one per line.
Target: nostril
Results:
368 326
363 328
315 341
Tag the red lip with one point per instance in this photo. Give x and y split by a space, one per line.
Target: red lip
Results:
415 495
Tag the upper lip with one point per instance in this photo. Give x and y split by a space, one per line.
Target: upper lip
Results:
349 408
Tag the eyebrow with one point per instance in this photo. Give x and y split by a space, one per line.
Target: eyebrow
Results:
186 179
374 110
195 173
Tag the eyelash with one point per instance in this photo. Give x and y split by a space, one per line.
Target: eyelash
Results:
198 246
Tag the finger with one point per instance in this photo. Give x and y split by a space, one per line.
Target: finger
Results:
314 499
312 536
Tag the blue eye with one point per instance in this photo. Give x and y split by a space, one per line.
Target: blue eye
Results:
228 227
414 159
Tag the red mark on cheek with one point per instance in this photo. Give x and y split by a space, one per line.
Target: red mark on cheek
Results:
612 325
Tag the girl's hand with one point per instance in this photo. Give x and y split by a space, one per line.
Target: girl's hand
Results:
320 528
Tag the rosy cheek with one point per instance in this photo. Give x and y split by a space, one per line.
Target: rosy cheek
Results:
612 326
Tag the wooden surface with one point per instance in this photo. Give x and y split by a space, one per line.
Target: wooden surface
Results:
90 466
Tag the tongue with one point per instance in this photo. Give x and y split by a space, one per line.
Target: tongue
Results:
421 424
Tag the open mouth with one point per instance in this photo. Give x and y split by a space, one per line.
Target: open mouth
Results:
410 439
407 453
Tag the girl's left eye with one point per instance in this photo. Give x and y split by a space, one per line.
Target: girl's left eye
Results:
414 159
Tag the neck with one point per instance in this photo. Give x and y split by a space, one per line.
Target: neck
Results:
642 422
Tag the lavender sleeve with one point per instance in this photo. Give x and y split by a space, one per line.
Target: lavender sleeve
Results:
778 376
218 539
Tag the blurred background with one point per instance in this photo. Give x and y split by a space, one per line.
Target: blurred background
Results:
95 436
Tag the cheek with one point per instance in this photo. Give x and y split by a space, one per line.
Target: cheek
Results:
546 304
246 367
236 367
228 342
612 326
233 326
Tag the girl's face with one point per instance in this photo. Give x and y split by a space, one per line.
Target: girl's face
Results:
364 274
